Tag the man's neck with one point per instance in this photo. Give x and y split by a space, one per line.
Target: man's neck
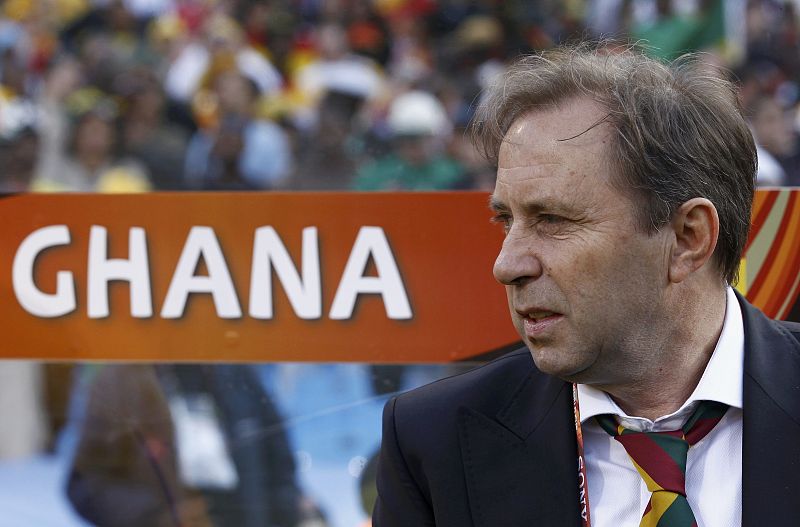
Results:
664 386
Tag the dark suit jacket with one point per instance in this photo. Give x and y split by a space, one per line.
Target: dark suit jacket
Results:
496 447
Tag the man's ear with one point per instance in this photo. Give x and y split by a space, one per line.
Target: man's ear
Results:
696 226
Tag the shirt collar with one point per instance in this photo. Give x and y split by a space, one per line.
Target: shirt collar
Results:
721 380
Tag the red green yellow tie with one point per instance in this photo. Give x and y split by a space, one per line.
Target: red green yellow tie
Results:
660 459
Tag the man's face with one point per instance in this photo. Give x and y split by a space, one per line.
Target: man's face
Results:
584 283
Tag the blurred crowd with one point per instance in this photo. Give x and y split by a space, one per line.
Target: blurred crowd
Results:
136 95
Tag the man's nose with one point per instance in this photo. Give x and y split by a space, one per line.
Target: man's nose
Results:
516 263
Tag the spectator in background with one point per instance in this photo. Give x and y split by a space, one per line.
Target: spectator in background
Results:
189 445
334 69
108 41
332 88
772 35
90 161
476 59
219 38
236 149
64 77
331 161
673 31
776 140
147 135
19 137
367 33
18 158
411 57
418 127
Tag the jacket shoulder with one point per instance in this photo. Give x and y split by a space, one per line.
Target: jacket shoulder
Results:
791 327
430 415
475 388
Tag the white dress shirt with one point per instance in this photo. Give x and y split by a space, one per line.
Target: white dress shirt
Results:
617 493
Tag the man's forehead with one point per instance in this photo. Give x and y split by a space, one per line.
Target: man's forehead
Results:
553 131
553 157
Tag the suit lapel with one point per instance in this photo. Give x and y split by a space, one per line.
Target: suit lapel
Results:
771 422
520 463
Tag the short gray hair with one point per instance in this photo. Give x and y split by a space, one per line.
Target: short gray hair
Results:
678 128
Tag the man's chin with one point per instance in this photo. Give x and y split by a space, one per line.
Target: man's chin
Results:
551 362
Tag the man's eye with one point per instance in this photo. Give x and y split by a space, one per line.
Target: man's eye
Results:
504 220
553 224
551 218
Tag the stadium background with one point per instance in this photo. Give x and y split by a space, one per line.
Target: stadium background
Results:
212 95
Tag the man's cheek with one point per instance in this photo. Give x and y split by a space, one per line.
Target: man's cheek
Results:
510 298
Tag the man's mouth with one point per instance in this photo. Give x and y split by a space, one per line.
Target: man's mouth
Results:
540 315
537 322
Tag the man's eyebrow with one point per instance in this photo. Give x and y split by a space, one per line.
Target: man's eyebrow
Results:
496 205
533 207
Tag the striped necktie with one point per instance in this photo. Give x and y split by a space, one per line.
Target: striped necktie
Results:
660 459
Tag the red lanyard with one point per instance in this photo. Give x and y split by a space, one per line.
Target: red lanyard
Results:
583 486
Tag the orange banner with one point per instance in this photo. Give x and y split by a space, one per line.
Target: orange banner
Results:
287 277
251 277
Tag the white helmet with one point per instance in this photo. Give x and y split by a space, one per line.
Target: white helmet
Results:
418 113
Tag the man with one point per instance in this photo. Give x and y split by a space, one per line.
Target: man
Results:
624 187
